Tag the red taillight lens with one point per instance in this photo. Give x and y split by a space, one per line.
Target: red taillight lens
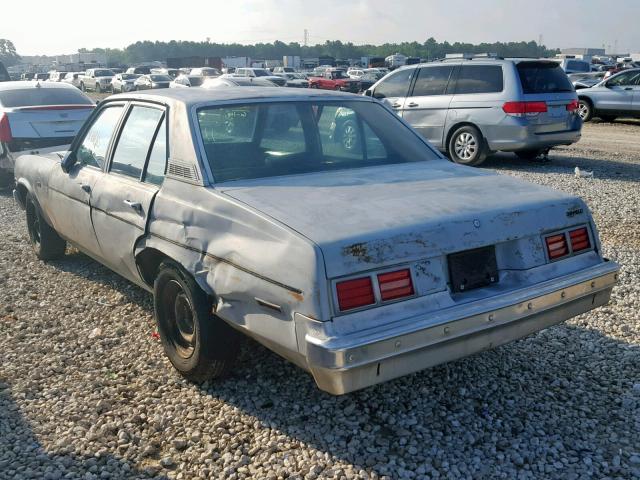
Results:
522 108
557 246
395 284
579 240
573 106
355 293
5 129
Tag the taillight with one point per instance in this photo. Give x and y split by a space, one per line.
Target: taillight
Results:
395 285
557 246
579 240
5 129
524 108
572 106
355 293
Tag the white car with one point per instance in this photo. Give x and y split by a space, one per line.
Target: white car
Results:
124 82
205 72
73 78
188 80
37 115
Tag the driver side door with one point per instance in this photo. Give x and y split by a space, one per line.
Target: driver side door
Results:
70 193
618 93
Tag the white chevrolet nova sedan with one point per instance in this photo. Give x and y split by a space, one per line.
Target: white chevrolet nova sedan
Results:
353 249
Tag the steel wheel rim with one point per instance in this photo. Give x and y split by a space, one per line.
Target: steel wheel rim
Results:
466 146
349 137
583 110
180 319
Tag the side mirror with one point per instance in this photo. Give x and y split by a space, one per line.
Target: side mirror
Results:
68 161
368 92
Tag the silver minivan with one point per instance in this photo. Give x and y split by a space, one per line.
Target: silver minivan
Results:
470 108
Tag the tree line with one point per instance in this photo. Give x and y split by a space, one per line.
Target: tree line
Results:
145 51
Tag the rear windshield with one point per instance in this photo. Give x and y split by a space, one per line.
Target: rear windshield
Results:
160 78
103 73
578 66
287 138
28 97
129 76
543 77
195 81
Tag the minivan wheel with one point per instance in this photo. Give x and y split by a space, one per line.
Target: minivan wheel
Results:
45 241
585 110
199 344
467 146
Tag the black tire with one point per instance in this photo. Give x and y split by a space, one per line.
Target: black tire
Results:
528 154
98 88
199 344
82 87
45 241
608 118
467 146
585 109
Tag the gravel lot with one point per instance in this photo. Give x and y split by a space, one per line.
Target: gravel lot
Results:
86 392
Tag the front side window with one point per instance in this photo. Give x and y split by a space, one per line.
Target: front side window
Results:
395 85
479 79
432 81
286 138
625 79
93 149
135 140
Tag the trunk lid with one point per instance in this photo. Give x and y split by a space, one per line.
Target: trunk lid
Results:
376 217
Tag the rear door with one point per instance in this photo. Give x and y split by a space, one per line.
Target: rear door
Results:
428 103
620 93
547 82
122 199
394 88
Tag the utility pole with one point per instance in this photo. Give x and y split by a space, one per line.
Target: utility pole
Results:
306 37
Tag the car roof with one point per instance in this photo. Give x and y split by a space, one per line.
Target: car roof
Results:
196 95
18 85
479 61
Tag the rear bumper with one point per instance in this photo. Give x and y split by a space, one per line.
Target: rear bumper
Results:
344 364
510 138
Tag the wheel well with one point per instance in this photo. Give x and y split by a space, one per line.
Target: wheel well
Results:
148 262
22 194
586 99
454 128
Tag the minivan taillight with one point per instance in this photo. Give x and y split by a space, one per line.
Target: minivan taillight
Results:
394 285
5 129
355 293
524 108
579 240
557 246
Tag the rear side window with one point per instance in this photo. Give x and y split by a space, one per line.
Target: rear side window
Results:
479 79
395 85
135 140
432 81
543 77
28 97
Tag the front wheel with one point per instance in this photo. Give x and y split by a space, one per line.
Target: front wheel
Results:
585 110
45 241
467 146
199 344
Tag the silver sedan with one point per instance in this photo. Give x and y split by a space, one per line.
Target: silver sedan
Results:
616 96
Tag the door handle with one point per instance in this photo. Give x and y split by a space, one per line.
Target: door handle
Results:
85 187
396 105
137 206
628 88
412 104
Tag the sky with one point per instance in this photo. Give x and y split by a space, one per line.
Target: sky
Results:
49 27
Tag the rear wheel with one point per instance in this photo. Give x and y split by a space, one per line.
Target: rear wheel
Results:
467 146
585 110
45 241
199 344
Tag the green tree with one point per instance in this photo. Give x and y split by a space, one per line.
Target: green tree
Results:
8 54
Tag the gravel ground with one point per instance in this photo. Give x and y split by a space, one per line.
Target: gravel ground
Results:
86 392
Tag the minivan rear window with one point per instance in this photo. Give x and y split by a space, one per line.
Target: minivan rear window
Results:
543 77
29 97
479 79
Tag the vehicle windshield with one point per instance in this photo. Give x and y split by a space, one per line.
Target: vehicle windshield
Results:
338 74
210 72
286 138
103 73
129 76
260 72
160 78
29 97
196 81
543 77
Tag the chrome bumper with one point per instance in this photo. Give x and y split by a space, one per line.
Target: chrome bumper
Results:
344 364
